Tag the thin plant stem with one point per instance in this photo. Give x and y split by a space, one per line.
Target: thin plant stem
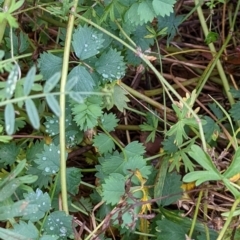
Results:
229 219
62 101
195 214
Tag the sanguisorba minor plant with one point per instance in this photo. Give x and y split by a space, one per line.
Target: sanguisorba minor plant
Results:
62 64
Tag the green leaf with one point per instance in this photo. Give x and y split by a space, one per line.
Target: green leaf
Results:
216 110
119 98
169 230
131 15
210 129
169 145
53 104
32 113
113 188
171 22
110 65
36 147
134 148
9 117
201 177
211 37
84 80
172 189
234 111
28 230
163 7
234 167
73 181
103 143
15 5
12 81
51 83
9 188
49 65
87 42
48 160
10 235
145 11
202 158
9 153
42 200
109 121
59 224
29 81
137 163
87 113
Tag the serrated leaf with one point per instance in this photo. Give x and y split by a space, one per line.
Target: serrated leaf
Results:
42 200
216 110
145 11
9 117
59 224
29 81
131 16
163 7
84 80
53 104
10 235
32 113
210 128
234 111
87 113
51 83
109 121
110 65
103 143
113 188
172 189
169 230
134 148
73 181
49 65
36 147
9 153
87 42
170 22
234 167
28 230
137 163
119 98
169 145
48 160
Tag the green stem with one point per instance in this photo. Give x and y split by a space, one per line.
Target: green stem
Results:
62 101
195 214
229 219
3 24
216 61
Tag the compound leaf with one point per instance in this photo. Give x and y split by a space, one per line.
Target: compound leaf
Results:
145 11
119 98
28 230
9 153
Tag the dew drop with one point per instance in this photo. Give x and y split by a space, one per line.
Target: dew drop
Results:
58 151
53 171
51 228
44 158
43 203
47 169
51 121
50 149
47 126
86 45
57 220
105 75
